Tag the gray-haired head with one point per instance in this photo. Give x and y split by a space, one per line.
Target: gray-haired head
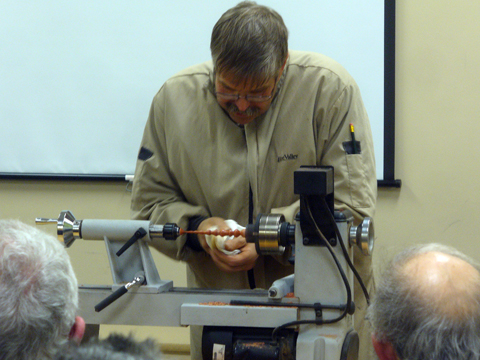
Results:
114 347
250 41
38 293
427 305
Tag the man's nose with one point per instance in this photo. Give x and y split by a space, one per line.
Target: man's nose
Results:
242 104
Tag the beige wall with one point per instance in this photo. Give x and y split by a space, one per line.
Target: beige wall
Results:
437 128
437 152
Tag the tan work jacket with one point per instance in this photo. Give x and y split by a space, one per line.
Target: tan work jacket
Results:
197 162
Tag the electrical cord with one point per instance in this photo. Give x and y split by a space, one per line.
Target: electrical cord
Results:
282 304
342 274
339 266
346 255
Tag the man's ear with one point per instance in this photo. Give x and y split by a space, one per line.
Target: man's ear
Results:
283 67
384 349
78 330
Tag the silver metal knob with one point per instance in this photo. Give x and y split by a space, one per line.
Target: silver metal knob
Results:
363 236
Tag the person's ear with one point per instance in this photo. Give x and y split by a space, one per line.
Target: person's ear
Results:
283 66
78 330
384 349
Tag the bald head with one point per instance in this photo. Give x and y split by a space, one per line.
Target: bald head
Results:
449 284
427 305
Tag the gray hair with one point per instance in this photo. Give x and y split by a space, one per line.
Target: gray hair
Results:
401 316
38 293
250 41
114 347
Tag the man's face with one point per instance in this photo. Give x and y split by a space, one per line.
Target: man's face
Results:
252 101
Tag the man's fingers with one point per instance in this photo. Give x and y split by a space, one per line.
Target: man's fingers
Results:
235 243
241 262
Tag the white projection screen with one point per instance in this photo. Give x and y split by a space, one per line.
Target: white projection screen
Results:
77 77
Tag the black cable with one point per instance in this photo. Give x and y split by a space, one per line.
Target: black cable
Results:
347 257
293 323
250 273
342 274
283 304
339 266
350 264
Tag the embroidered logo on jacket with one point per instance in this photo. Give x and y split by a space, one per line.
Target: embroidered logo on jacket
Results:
286 157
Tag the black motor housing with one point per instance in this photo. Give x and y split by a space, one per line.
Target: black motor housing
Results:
238 343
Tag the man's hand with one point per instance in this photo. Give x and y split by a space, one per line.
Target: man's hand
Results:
243 261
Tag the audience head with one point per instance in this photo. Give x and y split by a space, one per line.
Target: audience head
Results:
115 347
38 294
427 306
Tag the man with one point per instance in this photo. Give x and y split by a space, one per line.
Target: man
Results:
114 347
224 138
428 306
38 294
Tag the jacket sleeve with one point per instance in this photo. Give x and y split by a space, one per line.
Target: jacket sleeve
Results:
338 103
156 195
355 175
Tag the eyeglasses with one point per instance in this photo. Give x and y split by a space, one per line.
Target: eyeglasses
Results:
251 98
235 97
